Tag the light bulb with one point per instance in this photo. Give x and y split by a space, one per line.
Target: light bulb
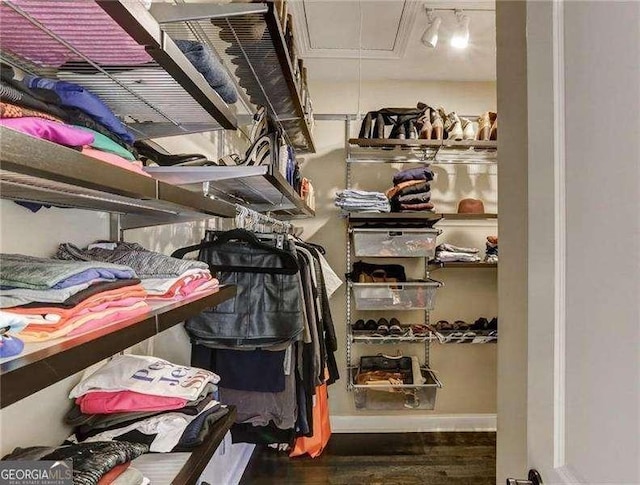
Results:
460 38
430 36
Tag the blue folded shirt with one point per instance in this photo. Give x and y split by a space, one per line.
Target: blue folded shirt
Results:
75 96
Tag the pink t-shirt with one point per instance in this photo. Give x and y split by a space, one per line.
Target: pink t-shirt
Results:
126 401
49 130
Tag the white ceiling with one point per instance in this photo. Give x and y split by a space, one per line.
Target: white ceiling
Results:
376 34
328 36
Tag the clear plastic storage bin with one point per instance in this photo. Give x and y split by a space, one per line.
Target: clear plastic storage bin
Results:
411 295
402 243
390 397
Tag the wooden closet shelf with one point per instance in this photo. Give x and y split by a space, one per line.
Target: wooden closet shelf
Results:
35 170
43 364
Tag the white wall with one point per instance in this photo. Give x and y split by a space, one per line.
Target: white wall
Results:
468 372
462 97
30 422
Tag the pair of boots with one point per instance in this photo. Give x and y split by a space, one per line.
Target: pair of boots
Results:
434 124
430 125
457 128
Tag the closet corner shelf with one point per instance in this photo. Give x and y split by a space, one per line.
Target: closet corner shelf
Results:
164 97
261 188
422 151
256 45
44 364
435 265
35 170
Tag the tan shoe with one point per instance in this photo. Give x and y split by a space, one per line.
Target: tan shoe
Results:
437 124
423 125
484 127
493 133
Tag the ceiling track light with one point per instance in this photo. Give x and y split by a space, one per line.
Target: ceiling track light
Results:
430 36
460 37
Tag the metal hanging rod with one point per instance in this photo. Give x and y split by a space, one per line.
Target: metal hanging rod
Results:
249 219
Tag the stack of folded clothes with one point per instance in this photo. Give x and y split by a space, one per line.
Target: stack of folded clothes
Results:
448 253
66 114
492 250
411 190
57 298
146 400
362 201
99 463
163 277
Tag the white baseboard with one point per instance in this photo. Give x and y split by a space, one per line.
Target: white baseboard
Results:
413 423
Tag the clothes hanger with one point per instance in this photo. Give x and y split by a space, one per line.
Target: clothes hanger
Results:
290 264
317 247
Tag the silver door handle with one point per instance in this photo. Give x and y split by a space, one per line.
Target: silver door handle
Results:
534 479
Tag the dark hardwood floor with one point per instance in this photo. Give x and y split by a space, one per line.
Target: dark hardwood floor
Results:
384 459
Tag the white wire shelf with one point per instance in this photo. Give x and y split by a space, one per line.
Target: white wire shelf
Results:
442 337
260 188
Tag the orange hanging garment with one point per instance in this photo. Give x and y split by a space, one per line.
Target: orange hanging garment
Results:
314 445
